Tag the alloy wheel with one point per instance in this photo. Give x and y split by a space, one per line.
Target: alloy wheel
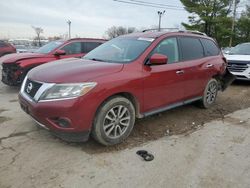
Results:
116 121
211 92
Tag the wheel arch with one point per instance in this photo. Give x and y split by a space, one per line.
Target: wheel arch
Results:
218 78
128 96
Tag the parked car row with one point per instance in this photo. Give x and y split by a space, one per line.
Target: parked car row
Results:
6 48
129 77
16 66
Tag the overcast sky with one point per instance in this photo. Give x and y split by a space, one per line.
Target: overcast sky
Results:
90 18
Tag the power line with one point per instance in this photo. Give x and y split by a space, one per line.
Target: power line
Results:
158 4
149 5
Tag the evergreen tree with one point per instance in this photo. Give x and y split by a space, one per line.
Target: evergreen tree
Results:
210 17
243 27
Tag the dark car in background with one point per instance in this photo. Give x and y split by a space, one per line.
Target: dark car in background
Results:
6 48
16 66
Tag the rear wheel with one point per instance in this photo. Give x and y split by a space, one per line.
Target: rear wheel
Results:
114 121
210 94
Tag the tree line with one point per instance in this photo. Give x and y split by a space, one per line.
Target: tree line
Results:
215 18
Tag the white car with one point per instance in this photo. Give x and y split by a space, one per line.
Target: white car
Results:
21 48
239 61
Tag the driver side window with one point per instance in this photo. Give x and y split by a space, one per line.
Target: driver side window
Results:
73 48
169 48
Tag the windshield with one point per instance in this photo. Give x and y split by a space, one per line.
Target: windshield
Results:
241 49
47 48
119 50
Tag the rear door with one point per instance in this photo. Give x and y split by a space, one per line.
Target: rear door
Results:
192 66
163 85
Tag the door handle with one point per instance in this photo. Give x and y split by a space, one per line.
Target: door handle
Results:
180 72
209 65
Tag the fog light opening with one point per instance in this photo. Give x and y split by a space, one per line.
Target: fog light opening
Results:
62 122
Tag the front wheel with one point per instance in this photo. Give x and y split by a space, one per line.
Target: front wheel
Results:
114 121
210 94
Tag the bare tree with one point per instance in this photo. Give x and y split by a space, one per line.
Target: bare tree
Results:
116 31
38 31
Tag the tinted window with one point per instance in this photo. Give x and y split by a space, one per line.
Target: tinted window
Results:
210 47
88 46
191 48
169 48
73 48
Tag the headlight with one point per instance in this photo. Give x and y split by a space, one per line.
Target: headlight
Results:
67 91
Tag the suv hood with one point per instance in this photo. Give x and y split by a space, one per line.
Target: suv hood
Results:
72 70
12 58
238 58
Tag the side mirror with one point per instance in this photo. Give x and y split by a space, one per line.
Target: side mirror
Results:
59 52
158 59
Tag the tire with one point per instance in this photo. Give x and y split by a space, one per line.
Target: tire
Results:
210 94
114 121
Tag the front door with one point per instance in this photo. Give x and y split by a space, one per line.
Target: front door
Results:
163 84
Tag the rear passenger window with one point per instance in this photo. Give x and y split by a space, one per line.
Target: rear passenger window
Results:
211 49
169 48
191 48
88 46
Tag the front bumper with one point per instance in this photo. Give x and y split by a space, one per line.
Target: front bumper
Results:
43 114
242 75
12 74
241 72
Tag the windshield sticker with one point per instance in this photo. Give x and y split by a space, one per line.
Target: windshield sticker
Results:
146 39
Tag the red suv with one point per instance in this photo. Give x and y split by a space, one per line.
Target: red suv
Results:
129 77
6 48
16 66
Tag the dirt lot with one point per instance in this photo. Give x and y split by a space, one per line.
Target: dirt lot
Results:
31 157
187 118
182 120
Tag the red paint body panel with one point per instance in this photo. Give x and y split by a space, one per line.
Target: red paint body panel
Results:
153 87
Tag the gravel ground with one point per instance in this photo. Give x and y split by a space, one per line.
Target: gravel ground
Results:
31 157
182 120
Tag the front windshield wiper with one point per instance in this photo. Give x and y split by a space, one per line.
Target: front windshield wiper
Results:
95 59
238 54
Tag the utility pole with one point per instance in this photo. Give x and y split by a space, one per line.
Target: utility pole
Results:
160 13
233 22
69 22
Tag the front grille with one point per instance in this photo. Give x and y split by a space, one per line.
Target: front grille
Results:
236 66
31 87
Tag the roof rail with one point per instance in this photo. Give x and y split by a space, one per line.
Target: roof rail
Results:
193 32
168 29
84 39
177 30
